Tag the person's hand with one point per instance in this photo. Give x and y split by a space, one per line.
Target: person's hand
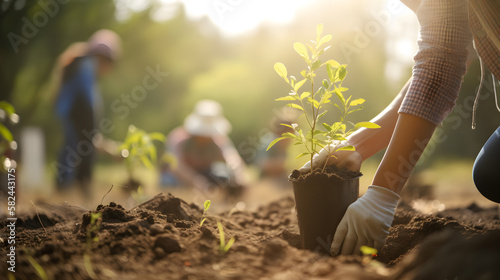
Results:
366 222
350 160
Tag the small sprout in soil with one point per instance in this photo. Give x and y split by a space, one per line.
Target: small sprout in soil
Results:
313 100
139 148
206 205
368 254
39 269
223 247
92 228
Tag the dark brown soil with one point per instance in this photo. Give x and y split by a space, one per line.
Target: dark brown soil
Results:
330 171
162 239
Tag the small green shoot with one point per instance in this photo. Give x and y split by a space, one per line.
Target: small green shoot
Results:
138 147
39 269
223 247
206 205
92 228
368 254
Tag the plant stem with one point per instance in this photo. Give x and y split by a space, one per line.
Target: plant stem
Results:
313 122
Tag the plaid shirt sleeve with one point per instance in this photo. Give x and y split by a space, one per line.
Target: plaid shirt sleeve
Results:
440 62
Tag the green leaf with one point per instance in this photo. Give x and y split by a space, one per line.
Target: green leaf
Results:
221 235
157 136
301 50
207 204
321 115
7 107
342 73
357 102
327 127
299 85
366 125
346 148
355 110
304 74
338 137
340 95
319 29
296 106
287 98
146 161
316 64
274 142
291 135
287 125
331 73
229 244
325 40
304 95
280 69
334 64
301 155
368 251
5 132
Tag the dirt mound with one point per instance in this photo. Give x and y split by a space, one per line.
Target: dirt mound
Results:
162 239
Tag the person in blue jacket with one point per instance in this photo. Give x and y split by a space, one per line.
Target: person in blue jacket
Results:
78 103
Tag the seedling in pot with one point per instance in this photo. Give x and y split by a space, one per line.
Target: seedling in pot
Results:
206 205
313 100
224 247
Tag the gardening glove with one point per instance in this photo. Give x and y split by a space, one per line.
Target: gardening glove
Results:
366 222
343 159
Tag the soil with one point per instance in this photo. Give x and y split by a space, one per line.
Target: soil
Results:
162 239
330 171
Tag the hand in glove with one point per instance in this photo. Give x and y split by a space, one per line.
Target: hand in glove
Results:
366 221
342 159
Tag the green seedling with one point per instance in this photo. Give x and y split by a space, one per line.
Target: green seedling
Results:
138 148
368 254
39 269
223 247
206 205
92 228
317 95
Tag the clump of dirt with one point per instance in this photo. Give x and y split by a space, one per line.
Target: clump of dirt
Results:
162 239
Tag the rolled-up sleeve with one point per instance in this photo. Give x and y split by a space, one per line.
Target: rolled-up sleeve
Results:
440 62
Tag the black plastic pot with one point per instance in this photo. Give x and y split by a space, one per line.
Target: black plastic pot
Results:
321 201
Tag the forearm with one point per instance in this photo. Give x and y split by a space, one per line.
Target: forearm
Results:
410 138
370 141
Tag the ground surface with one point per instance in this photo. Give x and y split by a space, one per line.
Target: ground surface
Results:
162 239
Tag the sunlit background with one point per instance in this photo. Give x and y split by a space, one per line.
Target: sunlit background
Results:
222 50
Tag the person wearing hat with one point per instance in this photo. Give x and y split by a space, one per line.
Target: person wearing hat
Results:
205 155
78 103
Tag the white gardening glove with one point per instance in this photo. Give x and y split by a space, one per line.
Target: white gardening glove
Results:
366 221
343 159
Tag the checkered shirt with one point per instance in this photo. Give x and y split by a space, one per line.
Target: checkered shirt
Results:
447 27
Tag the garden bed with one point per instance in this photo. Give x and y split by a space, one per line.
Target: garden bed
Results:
162 239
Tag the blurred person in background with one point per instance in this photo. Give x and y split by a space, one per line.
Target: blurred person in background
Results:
79 106
272 162
205 156
447 28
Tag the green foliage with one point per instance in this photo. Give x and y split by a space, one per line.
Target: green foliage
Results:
92 228
223 247
313 100
206 206
138 147
7 112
